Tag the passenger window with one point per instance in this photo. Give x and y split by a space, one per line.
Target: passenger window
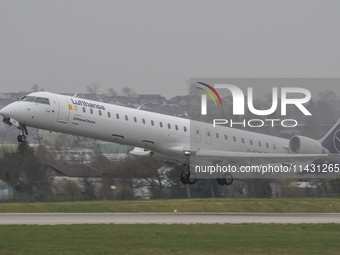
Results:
100 113
176 127
152 123
169 126
91 111
259 143
208 134
234 138
225 137
217 135
242 140
274 146
160 124
185 129
251 142
143 120
126 118
267 145
134 119
117 116
109 114
84 109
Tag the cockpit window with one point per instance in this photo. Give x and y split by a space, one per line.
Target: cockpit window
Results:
27 99
42 100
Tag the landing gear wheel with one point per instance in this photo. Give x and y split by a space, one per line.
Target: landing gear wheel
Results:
21 138
187 178
184 178
228 179
191 179
225 180
220 181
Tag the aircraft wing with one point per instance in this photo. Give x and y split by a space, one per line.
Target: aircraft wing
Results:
137 151
259 158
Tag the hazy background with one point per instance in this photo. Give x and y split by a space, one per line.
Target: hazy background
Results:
157 46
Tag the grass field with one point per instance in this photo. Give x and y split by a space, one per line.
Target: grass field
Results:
176 238
171 239
317 205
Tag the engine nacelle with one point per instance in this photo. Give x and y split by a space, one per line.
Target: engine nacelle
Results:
304 145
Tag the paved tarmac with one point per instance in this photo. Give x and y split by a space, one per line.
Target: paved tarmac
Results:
165 218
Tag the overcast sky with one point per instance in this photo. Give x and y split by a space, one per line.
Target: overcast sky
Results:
157 46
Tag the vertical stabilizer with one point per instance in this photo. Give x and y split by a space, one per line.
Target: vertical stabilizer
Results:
331 141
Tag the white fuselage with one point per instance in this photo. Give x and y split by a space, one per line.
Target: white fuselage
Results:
166 135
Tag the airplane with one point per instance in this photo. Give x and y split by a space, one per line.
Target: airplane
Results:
177 139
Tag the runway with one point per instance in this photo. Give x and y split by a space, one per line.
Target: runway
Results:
165 218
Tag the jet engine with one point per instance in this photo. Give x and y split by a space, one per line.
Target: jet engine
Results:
304 145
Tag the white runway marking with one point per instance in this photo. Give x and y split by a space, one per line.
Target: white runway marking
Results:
166 218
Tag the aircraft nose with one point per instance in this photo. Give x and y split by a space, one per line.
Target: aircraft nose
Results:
3 111
6 111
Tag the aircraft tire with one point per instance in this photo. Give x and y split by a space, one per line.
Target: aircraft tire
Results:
23 138
220 181
191 179
184 178
228 180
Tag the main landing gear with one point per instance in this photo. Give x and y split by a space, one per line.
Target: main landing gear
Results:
189 178
226 179
186 177
22 137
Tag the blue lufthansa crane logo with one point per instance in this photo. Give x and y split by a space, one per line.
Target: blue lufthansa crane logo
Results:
336 140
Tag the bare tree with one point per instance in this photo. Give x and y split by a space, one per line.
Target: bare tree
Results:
93 89
146 169
112 91
45 155
36 88
128 92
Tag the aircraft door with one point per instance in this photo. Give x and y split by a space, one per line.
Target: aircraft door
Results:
64 110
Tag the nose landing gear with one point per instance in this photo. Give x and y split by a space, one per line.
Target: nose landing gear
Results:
22 138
